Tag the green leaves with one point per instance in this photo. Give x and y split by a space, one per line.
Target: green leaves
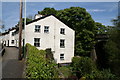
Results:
37 65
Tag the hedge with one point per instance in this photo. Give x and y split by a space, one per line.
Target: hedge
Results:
37 66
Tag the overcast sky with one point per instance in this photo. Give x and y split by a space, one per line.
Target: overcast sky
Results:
102 12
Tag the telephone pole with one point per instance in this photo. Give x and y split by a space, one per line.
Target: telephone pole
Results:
20 31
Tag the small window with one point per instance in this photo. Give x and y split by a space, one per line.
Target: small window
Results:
61 56
37 28
12 33
62 31
62 43
46 29
12 42
37 42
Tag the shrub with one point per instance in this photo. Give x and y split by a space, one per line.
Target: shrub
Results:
82 66
37 66
66 72
101 75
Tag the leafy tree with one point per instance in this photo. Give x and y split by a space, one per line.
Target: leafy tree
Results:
47 11
101 29
81 21
113 48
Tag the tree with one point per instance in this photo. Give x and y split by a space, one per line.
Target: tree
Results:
48 11
113 48
81 21
101 29
30 17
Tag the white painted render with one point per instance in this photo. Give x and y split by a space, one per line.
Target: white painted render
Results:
47 40
52 39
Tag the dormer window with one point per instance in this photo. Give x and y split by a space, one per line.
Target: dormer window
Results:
37 28
62 30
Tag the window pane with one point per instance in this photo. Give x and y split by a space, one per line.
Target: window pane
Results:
37 28
46 29
62 31
62 43
61 56
37 42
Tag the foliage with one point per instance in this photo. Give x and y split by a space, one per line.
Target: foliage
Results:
65 71
101 75
49 54
101 29
48 11
37 65
85 67
113 48
82 66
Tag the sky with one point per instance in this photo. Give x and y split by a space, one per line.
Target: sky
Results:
102 12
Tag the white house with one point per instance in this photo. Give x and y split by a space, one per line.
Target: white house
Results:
49 32
46 32
8 37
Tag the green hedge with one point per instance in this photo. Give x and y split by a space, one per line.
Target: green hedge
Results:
37 66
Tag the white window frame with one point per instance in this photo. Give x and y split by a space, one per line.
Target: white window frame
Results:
37 42
37 28
46 29
62 43
62 56
12 42
62 31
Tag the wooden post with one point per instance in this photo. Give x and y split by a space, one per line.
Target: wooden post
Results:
20 31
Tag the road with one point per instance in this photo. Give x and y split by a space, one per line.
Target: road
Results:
11 67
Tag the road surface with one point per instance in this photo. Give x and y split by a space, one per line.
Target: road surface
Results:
11 67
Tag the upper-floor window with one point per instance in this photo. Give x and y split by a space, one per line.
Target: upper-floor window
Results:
61 56
62 30
62 43
46 29
37 42
12 42
37 28
12 33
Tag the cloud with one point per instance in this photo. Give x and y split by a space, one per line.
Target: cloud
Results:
50 4
96 10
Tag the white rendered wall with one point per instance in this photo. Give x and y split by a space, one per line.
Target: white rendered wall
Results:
52 39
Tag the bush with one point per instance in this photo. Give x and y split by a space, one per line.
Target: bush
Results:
37 66
66 72
82 66
101 75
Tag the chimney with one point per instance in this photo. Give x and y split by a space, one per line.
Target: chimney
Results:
38 16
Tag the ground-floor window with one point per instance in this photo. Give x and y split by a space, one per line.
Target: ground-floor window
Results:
12 42
37 42
62 56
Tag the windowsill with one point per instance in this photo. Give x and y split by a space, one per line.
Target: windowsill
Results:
62 59
37 46
37 32
62 47
46 32
62 34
